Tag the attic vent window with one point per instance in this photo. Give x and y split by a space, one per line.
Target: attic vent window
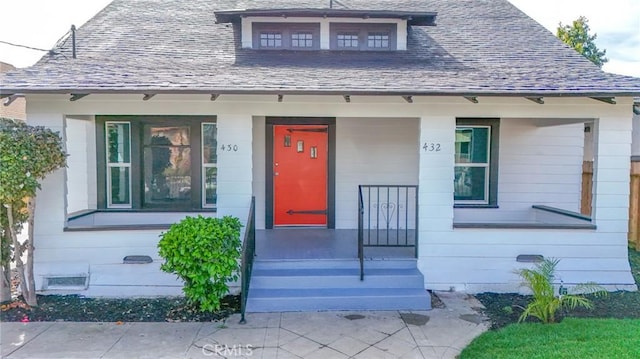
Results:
271 39
378 41
346 40
302 39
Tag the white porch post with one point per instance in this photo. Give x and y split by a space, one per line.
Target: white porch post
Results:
611 176
235 164
435 179
51 198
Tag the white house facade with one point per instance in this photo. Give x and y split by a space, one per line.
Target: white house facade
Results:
374 127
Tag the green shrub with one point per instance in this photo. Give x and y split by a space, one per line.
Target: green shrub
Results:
545 303
204 252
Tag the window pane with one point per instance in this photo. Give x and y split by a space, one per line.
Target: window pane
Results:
470 183
155 135
271 39
380 41
119 143
347 40
211 175
472 145
119 181
301 39
167 175
209 144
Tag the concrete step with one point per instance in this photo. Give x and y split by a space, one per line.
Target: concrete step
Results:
354 263
336 278
293 300
334 284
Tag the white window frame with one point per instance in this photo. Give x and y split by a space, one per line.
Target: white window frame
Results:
117 164
205 166
383 37
302 39
487 165
275 39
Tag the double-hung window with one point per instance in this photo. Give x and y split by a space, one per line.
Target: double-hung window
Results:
475 178
157 162
118 164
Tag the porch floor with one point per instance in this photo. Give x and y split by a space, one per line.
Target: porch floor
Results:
320 243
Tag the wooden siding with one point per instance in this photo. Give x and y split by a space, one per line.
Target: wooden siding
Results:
466 259
539 165
372 151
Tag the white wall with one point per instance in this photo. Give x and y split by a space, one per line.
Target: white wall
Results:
540 165
465 259
372 151
81 173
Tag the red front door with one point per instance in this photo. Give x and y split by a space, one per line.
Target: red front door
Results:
300 175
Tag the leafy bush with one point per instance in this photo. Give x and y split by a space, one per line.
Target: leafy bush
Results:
545 303
204 252
27 155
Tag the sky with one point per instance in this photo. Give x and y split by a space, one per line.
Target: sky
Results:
40 23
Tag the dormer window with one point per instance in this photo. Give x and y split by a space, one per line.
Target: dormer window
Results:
378 40
271 39
348 40
304 28
286 36
363 36
301 39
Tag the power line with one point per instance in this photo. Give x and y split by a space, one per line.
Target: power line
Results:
23 46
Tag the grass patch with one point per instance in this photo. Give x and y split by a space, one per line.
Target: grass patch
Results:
572 338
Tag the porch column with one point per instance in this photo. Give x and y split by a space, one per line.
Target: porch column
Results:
51 198
234 165
435 179
612 151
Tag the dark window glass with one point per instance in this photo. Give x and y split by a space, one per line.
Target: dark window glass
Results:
167 165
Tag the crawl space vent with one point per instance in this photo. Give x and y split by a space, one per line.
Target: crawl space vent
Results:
80 282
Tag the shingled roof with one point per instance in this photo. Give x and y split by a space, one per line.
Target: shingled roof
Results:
478 47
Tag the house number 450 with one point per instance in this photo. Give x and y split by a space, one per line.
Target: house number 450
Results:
229 148
431 147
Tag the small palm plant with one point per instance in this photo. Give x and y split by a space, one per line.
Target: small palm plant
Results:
546 303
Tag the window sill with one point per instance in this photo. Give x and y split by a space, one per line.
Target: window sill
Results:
475 206
523 225
127 220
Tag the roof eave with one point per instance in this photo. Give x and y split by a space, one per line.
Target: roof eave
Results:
423 18
355 92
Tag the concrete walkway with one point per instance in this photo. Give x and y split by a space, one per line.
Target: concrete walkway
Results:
438 333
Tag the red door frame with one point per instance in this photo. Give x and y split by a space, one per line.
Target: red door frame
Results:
269 160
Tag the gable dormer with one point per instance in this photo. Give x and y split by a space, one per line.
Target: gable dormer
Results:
325 29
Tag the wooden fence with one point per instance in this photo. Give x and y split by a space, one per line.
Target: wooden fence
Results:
634 206
634 199
587 187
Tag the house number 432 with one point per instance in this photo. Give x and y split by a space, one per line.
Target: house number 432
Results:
431 147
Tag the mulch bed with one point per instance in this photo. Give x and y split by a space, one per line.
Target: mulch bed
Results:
505 308
75 308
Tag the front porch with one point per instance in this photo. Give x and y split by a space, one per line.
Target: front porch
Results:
321 243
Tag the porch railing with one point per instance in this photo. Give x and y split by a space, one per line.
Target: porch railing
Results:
387 217
248 253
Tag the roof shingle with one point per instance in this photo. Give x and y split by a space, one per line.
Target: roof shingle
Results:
483 47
